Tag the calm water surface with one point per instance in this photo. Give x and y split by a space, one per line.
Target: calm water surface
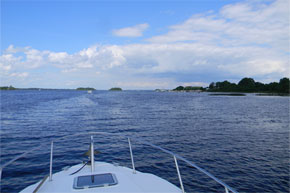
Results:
243 140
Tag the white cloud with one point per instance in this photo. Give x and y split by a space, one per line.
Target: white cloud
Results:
5 67
134 31
57 57
69 70
19 75
6 62
250 22
71 83
149 60
256 67
144 84
202 84
243 39
157 83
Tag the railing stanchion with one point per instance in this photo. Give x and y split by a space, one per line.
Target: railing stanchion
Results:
50 165
0 176
132 158
0 179
227 191
92 155
178 173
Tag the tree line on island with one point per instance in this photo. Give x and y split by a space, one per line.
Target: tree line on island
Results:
244 85
189 88
89 88
85 88
7 88
249 85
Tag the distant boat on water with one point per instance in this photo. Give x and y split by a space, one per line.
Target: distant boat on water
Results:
90 91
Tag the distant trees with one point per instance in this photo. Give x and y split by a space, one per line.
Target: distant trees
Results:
115 89
284 85
211 85
226 86
7 88
249 85
244 85
179 88
189 88
85 88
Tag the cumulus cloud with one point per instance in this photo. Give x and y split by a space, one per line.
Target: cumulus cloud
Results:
243 39
134 31
203 84
6 61
19 75
58 57
145 84
153 60
250 22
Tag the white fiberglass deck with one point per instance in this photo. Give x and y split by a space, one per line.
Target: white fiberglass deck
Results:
127 181
112 178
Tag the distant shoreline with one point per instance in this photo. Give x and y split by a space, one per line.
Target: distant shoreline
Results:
11 89
245 85
210 93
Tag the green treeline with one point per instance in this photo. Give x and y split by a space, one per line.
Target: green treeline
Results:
85 88
7 88
249 85
115 89
189 88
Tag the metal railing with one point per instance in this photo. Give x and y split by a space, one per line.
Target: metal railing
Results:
175 157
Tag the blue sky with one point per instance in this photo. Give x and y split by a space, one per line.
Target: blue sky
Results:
73 25
142 44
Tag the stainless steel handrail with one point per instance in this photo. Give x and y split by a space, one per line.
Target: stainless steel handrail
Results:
132 157
50 164
227 187
40 184
179 176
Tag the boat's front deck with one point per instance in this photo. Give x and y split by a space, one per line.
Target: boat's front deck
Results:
127 181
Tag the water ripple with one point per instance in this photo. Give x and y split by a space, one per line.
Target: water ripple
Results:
242 140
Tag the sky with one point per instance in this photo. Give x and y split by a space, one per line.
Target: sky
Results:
142 44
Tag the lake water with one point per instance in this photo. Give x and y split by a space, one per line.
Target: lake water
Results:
243 140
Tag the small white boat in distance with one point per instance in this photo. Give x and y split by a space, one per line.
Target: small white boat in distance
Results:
94 176
90 91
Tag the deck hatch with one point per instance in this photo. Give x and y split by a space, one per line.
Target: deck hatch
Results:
95 180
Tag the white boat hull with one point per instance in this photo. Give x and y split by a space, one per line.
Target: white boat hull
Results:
127 181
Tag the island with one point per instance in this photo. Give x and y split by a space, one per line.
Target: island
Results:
85 88
245 85
161 90
189 89
249 85
115 89
7 88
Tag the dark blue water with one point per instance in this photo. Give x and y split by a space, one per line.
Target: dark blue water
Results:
244 141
